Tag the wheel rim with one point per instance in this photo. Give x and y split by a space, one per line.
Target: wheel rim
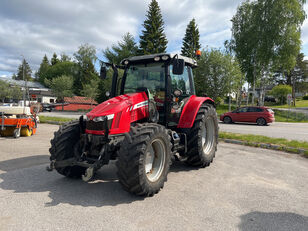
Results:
155 160
261 121
227 120
208 136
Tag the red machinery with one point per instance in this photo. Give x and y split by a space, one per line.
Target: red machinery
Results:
152 117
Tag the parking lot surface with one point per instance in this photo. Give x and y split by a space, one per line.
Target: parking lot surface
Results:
291 131
244 189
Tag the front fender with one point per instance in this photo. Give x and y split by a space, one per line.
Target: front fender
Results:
191 109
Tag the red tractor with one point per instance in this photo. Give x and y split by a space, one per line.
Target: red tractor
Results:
151 118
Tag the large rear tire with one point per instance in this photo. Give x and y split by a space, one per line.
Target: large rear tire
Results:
63 146
203 137
144 159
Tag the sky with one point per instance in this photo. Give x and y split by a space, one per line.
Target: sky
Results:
32 28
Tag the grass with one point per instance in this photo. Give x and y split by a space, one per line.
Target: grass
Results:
223 108
251 139
299 103
48 119
292 117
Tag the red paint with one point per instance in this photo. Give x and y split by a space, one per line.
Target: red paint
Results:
190 111
124 109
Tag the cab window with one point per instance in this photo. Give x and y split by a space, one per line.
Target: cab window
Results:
181 82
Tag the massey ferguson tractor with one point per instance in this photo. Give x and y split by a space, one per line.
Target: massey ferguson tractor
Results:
152 117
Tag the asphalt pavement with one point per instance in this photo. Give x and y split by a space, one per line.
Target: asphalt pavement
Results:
290 131
245 188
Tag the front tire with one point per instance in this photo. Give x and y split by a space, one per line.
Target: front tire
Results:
63 146
227 120
203 137
144 159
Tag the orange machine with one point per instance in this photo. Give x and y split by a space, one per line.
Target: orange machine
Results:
16 121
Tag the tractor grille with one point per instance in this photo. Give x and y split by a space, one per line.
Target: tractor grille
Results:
98 126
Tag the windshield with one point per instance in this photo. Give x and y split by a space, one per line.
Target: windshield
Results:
149 76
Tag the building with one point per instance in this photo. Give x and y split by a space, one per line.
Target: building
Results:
37 92
77 103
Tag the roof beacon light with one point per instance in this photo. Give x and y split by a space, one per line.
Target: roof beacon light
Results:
165 57
157 58
198 54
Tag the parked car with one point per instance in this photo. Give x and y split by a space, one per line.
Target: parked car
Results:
47 107
269 99
259 115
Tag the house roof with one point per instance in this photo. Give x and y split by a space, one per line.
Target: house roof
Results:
79 100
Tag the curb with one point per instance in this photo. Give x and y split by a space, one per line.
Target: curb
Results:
267 146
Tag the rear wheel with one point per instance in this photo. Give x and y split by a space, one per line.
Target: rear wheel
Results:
203 137
63 146
261 121
227 120
16 133
144 159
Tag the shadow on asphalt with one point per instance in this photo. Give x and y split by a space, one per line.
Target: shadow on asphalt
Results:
282 221
104 190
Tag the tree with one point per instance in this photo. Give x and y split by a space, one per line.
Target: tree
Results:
281 92
65 58
4 90
298 75
90 90
153 39
266 35
86 57
122 50
191 40
44 66
61 87
217 75
24 71
54 60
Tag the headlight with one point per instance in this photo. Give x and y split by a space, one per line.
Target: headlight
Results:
99 119
102 118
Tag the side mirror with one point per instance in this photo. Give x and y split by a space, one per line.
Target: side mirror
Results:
178 66
103 71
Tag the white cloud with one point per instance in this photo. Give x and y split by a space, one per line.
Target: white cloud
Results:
34 28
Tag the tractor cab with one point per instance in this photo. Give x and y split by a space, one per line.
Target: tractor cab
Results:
166 79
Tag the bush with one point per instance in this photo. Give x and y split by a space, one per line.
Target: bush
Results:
305 97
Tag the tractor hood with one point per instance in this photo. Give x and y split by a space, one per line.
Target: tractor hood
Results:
122 110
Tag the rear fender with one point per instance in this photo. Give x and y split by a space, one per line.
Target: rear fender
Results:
191 109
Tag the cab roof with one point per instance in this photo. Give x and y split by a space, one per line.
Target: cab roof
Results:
147 58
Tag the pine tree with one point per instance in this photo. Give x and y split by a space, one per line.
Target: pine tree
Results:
124 49
153 38
25 69
54 60
191 40
41 73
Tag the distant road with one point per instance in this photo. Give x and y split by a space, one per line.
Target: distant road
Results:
291 131
63 114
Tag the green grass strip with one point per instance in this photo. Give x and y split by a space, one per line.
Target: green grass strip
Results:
48 119
252 140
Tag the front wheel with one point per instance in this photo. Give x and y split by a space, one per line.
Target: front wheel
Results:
144 159
203 137
227 120
63 146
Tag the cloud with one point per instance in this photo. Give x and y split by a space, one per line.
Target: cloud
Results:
33 28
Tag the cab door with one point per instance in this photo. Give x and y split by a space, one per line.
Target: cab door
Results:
181 88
